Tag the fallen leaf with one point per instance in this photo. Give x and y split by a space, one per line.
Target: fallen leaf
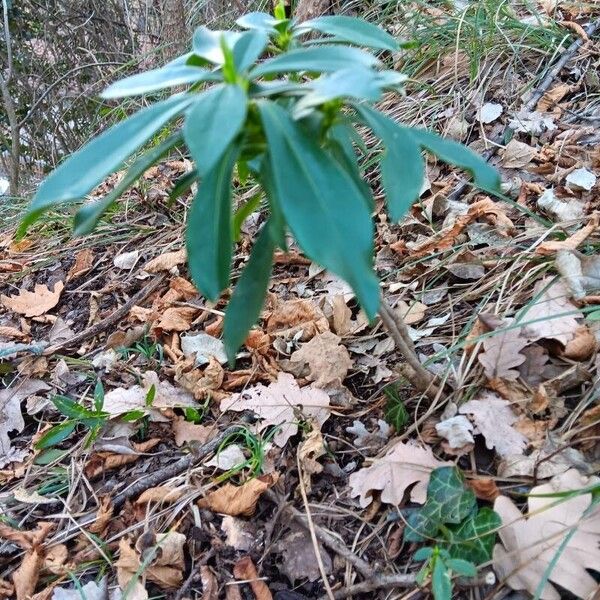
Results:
532 122
582 346
245 570
203 347
210 586
177 318
517 155
580 273
60 331
532 368
297 316
493 419
240 500
186 432
404 465
104 515
298 556
124 339
502 353
230 457
240 533
551 315
466 271
36 303
582 179
489 112
126 260
457 430
11 415
163 560
323 360
412 314
552 96
309 451
166 261
485 488
162 494
84 261
342 316
561 210
11 333
26 577
279 405
530 543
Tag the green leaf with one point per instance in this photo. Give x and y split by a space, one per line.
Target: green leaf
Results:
350 29
249 48
441 584
485 176
50 455
87 217
249 294
423 554
402 166
208 231
321 204
395 412
98 396
183 184
461 567
242 213
322 59
212 122
88 167
207 43
57 434
159 79
70 408
473 540
258 20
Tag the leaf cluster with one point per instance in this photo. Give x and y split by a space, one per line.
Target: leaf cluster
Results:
281 103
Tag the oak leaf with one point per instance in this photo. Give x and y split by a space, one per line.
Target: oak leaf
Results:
502 353
565 527
404 465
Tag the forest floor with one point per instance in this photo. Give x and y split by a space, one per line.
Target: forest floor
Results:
135 463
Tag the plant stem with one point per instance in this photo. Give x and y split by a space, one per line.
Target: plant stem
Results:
419 376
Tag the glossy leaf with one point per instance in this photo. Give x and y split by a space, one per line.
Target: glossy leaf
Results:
248 48
249 294
402 166
212 122
57 434
159 79
88 167
473 540
258 20
350 29
208 232
321 59
321 202
441 584
207 43
87 217
69 408
485 176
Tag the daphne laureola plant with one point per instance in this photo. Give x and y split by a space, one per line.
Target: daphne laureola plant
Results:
282 103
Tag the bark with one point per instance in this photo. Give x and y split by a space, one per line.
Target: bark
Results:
309 9
175 34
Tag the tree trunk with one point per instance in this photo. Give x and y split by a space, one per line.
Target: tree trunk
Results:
309 9
175 35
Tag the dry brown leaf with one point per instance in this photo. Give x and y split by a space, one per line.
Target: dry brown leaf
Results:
161 494
166 261
572 242
412 314
163 556
124 339
27 540
84 261
280 404
245 570
241 533
582 346
309 451
11 333
532 369
100 462
404 465
210 585
494 420
177 318
531 543
554 95
36 303
323 360
342 316
241 500
552 315
502 353
103 516
232 592
26 577
485 488
293 316
11 415
7 589
517 155
185 432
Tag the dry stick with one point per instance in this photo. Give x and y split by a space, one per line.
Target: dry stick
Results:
113 319
421 378
535 97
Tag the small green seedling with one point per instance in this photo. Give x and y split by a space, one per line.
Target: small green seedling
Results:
146 347
284 104
91 419
395 413
461 535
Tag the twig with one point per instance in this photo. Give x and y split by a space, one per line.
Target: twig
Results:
113 319
311 529
421 378
327 539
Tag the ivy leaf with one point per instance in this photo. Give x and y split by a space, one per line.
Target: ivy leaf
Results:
212 122
249 294
321 202
208 232
473 540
